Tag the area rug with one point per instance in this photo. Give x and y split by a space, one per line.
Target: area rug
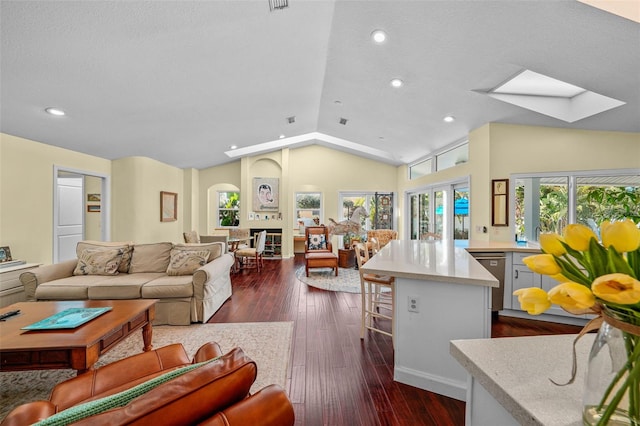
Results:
267 343
348 280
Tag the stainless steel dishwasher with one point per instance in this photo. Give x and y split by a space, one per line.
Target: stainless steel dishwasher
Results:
494 262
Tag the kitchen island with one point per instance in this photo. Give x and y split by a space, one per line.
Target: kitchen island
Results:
509 380
453 292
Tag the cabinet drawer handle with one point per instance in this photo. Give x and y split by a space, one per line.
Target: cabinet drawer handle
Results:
516 274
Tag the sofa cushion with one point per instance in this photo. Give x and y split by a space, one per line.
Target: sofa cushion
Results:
127 249
166 287
150 258
98 262
185 262
123 286
215 248
70 288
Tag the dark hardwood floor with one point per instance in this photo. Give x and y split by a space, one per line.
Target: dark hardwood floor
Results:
335 378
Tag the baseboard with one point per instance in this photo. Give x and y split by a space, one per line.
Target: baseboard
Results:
432 383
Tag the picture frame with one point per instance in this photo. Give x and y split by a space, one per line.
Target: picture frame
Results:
168 206
93 208
5 254
500 202
93 198
266 194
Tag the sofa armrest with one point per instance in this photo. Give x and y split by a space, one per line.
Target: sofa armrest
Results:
42 274
218 266
269 406
28 414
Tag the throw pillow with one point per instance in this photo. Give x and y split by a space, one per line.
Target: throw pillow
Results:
127 249
185 262
153 257
99 262
317 242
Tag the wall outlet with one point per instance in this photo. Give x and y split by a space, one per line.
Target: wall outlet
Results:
413 304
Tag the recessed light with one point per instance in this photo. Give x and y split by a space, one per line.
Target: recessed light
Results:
449 119
281 136
379 36
55 111
233 147
396 82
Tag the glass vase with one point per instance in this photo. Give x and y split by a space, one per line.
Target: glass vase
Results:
612 383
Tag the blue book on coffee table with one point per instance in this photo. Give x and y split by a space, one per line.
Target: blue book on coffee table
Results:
69 318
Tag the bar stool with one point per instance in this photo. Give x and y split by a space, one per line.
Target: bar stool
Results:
374 296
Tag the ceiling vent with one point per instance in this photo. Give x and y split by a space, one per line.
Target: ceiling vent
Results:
343 121
278 4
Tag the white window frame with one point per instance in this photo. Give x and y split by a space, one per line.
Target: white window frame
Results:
219 209
296 209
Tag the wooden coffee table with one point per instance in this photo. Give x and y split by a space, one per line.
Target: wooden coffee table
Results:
77 348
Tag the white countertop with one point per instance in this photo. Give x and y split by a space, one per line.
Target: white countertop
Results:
429 260
479 246
516 372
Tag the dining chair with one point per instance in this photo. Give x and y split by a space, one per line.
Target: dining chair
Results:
377 292
430 236
251 257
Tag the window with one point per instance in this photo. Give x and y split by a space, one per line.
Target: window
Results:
228 208
453 157
349 202
308 207
441 209
548 202
420 169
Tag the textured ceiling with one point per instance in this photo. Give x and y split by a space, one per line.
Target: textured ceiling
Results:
182 81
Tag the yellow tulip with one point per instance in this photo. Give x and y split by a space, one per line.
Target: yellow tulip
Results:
623 235
550 243
578 236
543 264
617 288
572 296
533 300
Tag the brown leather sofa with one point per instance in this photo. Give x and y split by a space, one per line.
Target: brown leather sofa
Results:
216 393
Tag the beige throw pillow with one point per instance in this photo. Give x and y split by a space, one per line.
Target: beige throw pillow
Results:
215 249
127 249
185 262
99 262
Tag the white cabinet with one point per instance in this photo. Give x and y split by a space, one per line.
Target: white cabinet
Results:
11 290
523 277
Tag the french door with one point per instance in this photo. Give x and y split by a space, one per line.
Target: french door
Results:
441 209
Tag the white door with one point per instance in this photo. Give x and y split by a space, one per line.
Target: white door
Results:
70 217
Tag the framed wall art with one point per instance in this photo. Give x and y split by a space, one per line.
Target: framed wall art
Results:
266 194
5 254
499 202
93 208
93 197
168 206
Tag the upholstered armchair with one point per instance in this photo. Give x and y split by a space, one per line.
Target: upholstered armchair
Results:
382 235
164 386
318 251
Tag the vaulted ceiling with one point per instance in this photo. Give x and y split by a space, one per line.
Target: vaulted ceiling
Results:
183 81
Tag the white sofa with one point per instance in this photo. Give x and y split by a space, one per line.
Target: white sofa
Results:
190 281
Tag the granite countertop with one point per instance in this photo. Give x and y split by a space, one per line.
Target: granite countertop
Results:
516 372
432 260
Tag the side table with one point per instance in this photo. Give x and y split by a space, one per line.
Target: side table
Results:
346 258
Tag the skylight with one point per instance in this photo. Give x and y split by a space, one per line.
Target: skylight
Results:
552 97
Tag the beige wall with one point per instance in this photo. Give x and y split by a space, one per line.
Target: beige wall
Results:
495 151
136 186
92 225
26 193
